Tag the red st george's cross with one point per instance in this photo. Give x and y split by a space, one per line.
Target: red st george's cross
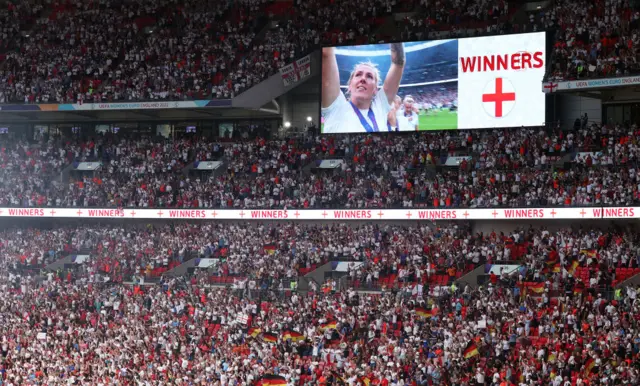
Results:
499 97
550 86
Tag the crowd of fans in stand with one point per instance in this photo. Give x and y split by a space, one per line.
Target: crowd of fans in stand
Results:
154 50
592 41
95 52
14 17
502 168
86 327
265 253
273 253
457 18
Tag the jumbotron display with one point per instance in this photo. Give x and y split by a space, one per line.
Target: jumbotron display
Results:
472 83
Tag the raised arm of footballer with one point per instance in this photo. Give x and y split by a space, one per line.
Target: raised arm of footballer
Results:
330 77
394 76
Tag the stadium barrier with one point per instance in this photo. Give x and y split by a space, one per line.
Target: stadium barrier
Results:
327 214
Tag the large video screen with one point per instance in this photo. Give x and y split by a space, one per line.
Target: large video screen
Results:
471 83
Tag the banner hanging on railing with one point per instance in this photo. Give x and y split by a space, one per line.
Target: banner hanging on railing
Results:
289 75
296 71
303 66
327 214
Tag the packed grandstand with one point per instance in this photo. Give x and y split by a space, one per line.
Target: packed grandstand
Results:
497 168
237 303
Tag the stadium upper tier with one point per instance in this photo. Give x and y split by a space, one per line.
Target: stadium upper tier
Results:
73 51
582 166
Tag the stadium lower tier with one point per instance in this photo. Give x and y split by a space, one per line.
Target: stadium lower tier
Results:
556 305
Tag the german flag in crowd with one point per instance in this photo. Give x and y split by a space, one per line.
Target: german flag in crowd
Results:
557 268
537 288
423 312
339 379
329 325
589 252
365 381
270 248
588 367
253 332
572 267
269 337
523 293
271 380
293 335
471 351
577 289
551 260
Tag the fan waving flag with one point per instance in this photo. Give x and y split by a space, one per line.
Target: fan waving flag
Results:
423 312
537 288
329 325
270 248
272 380
589 252
253 332
471 351
588 367
293 335
271 338
572 267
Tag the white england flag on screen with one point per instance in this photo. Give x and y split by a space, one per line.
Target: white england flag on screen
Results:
499 81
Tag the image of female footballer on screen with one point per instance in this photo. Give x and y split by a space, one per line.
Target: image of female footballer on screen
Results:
366 105
403 115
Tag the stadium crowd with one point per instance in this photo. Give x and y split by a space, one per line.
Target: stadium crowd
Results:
588 164
114 316
537 326
271 253
593 41
76 52
148 51
267 253
457 18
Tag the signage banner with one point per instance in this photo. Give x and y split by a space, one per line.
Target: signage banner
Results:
303 66
586 84
289 74
293 72
326 214
622 212
153 105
